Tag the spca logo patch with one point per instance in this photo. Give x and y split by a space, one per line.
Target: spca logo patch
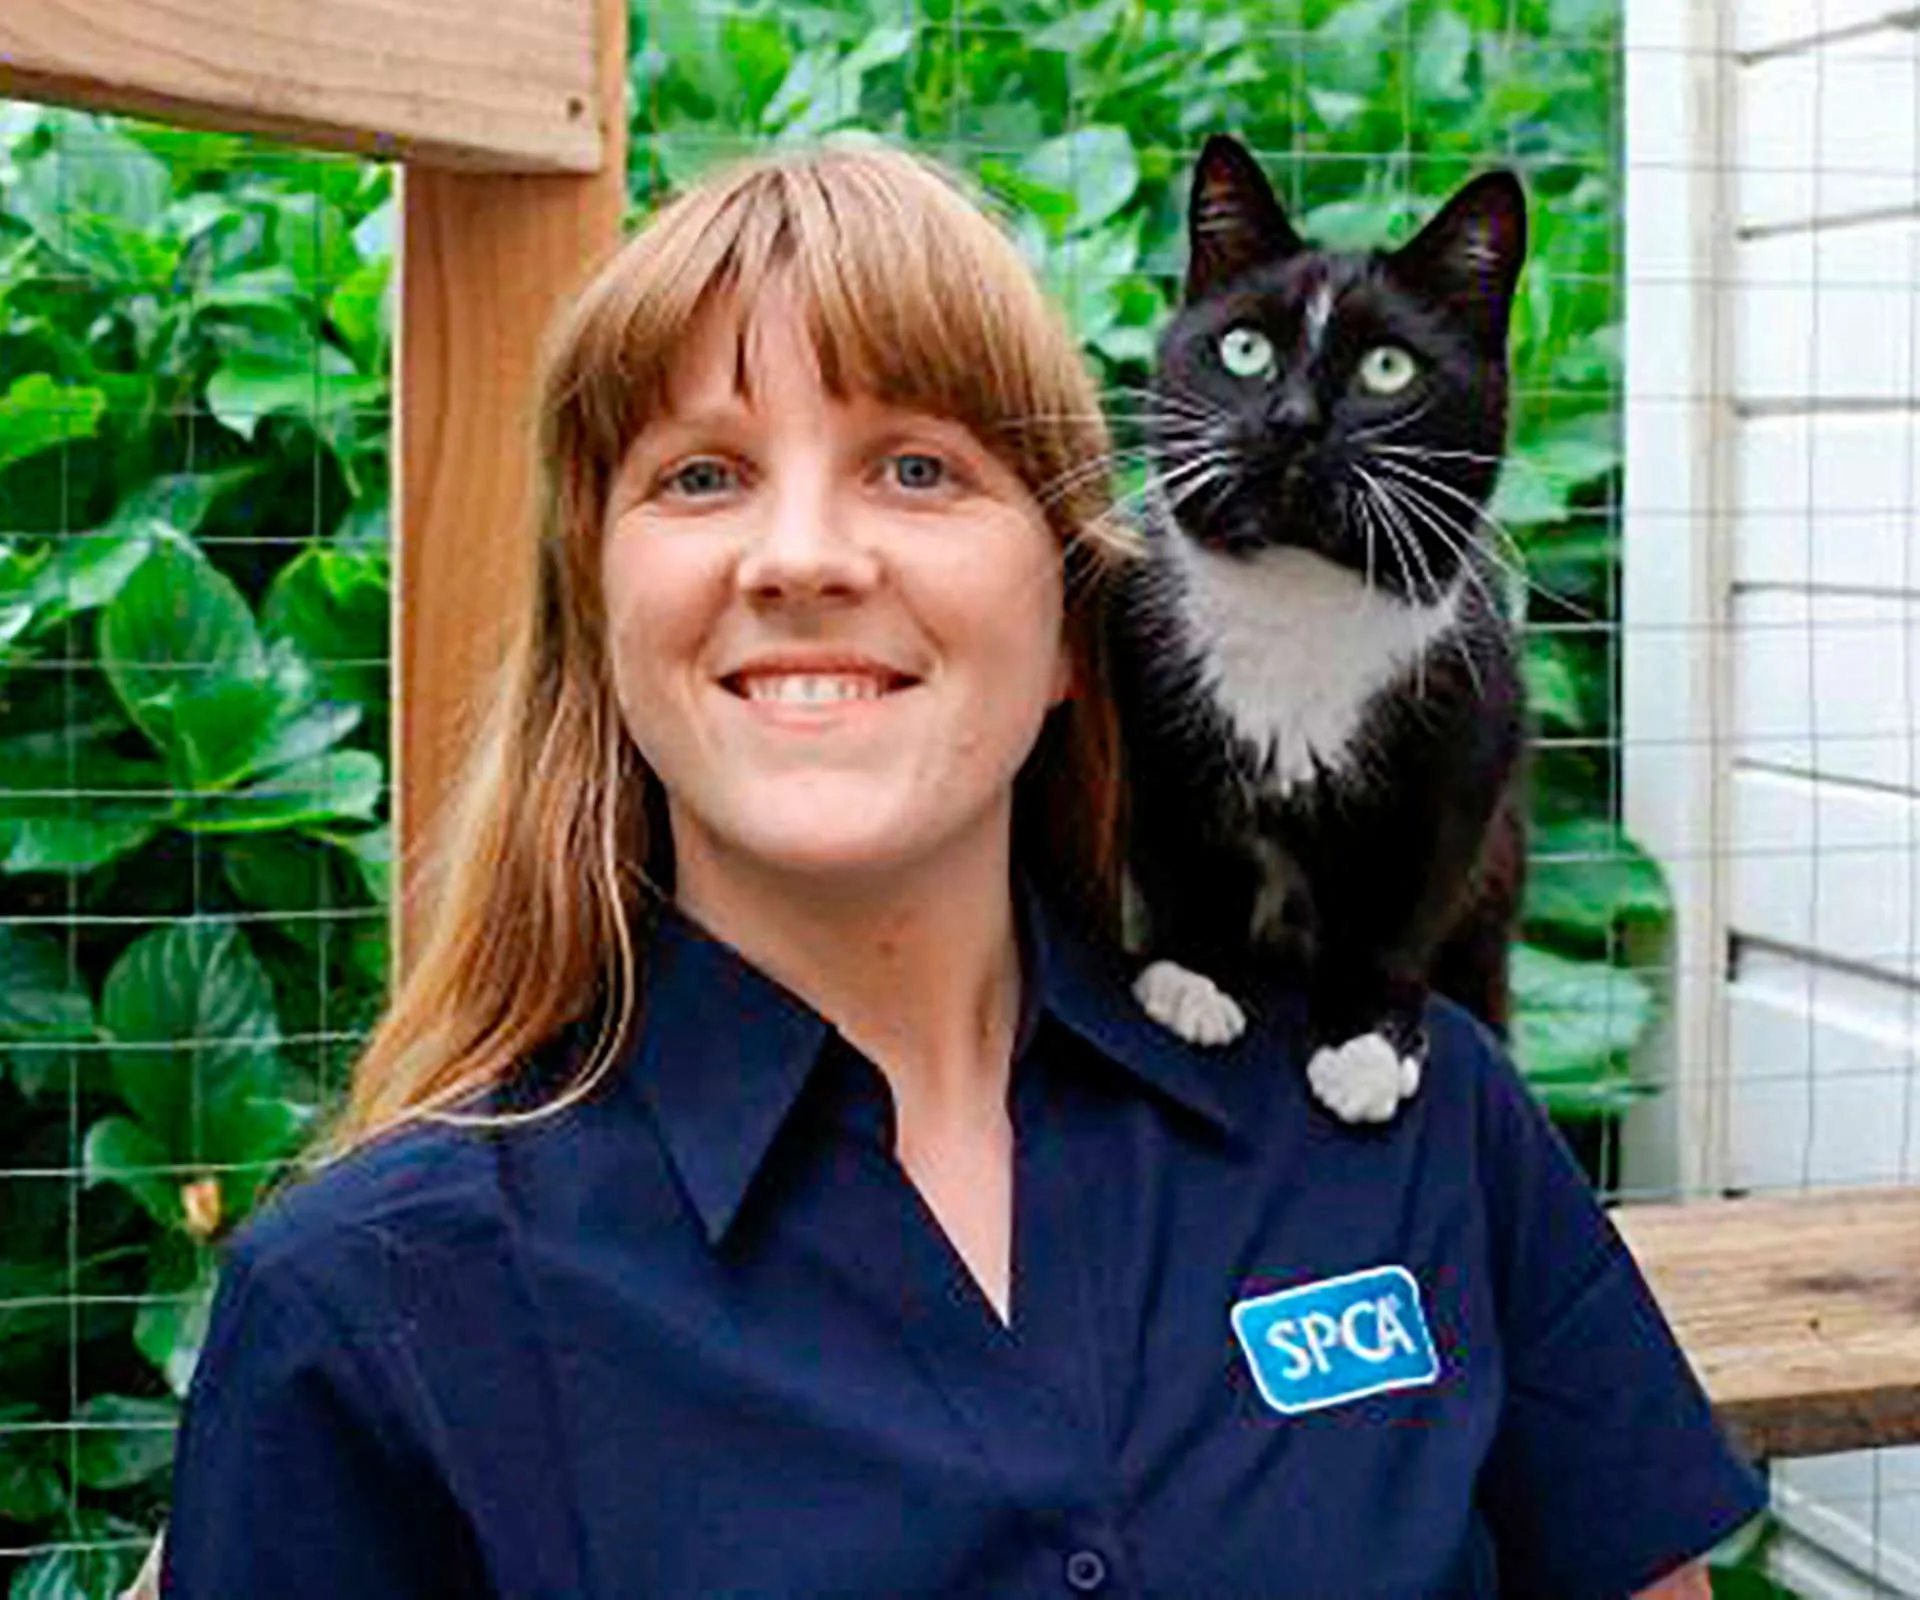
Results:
1324 1343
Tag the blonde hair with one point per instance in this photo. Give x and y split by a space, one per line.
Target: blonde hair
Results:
541 873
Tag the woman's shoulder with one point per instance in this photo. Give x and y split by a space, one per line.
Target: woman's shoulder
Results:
338 1230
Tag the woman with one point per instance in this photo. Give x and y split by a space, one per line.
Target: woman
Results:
840 1227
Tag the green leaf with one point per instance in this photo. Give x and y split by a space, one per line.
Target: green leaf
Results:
172 1326
316 384
336 604
1336 108
179 646
1096 165
372 853
123 1439
43 1003
1575 1020
39 414
69 803
1587 880
119 1150
101 1558
181 500
191 1014
1444 54
823 88
361 308
30 1489
1553 684
341 786
1080 32
98 199
311 239
86 571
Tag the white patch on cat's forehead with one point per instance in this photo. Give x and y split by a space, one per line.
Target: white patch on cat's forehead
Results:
1319 314
1296 649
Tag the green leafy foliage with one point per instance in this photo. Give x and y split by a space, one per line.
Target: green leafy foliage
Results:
194 712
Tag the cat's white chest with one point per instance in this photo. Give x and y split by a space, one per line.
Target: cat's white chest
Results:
1296 648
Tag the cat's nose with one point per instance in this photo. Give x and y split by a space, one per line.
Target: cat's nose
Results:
1294 410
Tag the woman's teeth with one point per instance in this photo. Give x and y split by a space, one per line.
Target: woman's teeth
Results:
813 688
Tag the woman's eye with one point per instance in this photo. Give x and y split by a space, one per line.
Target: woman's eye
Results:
701 477
915 469
1247 353
1387 369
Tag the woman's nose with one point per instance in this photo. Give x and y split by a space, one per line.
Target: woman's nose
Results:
805 548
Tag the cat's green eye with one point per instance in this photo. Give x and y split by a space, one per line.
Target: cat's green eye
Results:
1246 353
1387 369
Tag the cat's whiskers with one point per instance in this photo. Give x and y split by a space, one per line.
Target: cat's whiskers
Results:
1515 569
1202 472
1451 536
1435 590
1411 503
1388 429
1107 463
1428 453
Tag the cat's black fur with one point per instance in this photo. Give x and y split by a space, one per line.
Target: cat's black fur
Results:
1393 862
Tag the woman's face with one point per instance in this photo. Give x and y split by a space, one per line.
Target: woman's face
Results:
836 627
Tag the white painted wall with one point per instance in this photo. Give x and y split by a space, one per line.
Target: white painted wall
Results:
1772 651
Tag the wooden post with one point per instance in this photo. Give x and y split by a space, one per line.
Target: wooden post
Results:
487 260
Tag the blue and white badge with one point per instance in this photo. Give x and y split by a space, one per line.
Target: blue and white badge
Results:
1324 1343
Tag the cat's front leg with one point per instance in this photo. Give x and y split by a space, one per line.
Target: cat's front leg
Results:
1367 1046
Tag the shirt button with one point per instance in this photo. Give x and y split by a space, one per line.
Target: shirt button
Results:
1086 1571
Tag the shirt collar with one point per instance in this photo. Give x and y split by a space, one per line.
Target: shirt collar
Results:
724 1050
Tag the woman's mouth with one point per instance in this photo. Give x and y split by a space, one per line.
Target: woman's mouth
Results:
812 688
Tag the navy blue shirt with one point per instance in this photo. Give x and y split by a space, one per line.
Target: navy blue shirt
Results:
701 1336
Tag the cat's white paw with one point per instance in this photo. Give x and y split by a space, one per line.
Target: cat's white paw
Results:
1363 1080
1186 1003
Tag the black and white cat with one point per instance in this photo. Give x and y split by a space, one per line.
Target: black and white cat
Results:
1319 688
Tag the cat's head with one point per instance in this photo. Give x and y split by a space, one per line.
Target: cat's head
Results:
1351 403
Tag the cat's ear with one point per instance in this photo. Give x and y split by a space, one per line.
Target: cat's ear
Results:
1233 220
1470 253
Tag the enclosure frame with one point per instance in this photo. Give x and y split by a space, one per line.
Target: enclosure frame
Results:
511 123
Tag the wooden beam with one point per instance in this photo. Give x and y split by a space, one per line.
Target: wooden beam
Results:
503 86
486 262
1801 1314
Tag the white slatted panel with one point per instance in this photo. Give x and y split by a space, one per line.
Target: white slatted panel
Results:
1826 499
1826 133
1825 316
1826 684
1828 868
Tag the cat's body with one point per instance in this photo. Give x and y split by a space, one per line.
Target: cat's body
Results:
1320 693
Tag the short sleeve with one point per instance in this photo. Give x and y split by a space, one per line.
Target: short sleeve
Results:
1608 1469
290 1478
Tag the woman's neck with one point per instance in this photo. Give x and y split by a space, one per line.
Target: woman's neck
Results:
921 974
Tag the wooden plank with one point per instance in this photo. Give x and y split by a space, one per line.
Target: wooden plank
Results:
487 261
1799 1315
505 87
